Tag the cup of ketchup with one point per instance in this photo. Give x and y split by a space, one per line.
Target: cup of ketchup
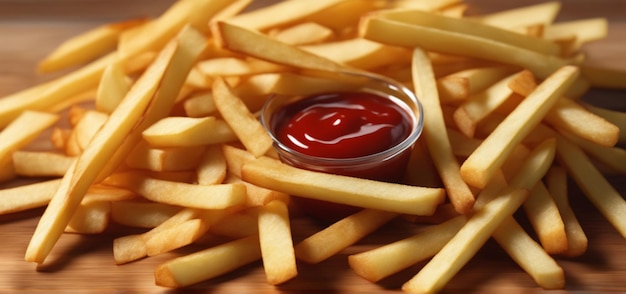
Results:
353 124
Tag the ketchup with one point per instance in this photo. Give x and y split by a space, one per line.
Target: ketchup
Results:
324 131
342 125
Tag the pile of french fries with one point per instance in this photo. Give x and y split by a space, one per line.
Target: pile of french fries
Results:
156 126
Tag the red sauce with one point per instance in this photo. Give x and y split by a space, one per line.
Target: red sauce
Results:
342 125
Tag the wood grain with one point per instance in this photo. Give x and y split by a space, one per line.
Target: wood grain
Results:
80 264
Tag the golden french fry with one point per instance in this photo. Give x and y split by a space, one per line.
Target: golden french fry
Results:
175 237
91 217
272 174
182 194
258 196
471 28
436 136
359 53
338 236
480 105
542 13
239 39
545 217
451 258
200 105
86 46
114 84
153 35
186 131
22 131
133 247
424 5
410 35
595 186
41 163
27 196
478 167
572 117
43 96
209 263
96 157
304 33
615 117
381 262
556 182
212 167
279 14
277 252
247 127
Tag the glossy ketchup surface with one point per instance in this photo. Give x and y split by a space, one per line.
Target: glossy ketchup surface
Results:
342 125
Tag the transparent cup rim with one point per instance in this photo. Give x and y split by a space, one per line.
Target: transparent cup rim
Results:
415 112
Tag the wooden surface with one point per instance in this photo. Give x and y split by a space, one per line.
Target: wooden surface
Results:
79 264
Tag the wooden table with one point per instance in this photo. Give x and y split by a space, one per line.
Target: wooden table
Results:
79 264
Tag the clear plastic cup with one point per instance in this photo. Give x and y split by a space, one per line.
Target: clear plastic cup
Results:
388 165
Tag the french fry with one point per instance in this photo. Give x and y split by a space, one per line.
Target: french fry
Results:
556 182
397 33
200 105
279 14
212 167
424 5
153 35
478 106
91 217
86 46
359 53
304 33
614 158
277 252
209 263
272 174
22 131
89 165
41 164
85 129
436 137
583 30
595 186
480 226
545 217
258 196
478 167
247 127
185 131
572 117
133 247
182 194
617 118
338 236
176 237
471 28
381 262
45 95
239 39
27 196
542 13
114 84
